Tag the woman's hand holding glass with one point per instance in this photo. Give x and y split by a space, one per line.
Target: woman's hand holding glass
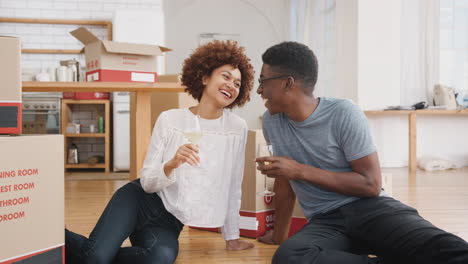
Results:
187 153
193 134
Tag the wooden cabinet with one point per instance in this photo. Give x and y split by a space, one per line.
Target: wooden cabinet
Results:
68 107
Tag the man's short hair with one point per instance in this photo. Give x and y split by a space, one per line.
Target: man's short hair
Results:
295 59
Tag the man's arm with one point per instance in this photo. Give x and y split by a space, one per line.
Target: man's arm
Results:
363 181
284 206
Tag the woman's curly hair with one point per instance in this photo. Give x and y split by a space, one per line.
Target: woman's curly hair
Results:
206 58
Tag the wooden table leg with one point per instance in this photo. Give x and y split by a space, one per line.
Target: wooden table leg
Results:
412 142
140 130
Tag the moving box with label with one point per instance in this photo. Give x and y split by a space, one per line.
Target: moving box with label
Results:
32 199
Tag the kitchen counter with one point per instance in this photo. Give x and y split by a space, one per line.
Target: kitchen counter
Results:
140 108
101 87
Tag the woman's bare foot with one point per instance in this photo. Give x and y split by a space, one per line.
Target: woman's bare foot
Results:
238 244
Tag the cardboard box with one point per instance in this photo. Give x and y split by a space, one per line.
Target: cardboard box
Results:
109 61
387 183
10 80
257 213
118 61
32 199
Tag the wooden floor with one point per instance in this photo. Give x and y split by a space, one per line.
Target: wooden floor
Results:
441 197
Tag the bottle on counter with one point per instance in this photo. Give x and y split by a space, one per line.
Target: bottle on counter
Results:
101 124
73 154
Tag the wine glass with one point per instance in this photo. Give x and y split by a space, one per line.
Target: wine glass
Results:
264 150
192 131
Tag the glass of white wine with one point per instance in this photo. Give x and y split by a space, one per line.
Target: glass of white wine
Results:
265 150
192 131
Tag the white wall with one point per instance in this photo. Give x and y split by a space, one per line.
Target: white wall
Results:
440 136
44 36
379 74
368 52
259 24
346 27
378 53
57 36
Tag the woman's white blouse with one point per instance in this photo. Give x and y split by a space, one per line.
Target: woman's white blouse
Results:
205 196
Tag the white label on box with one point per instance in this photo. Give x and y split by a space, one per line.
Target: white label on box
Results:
142 77
248 223
92 77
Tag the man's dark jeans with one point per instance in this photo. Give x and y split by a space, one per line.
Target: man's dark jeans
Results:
131 212
381 226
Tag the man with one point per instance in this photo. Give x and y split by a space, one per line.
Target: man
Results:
325 156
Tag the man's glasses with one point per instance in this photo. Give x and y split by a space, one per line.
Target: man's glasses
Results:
261 81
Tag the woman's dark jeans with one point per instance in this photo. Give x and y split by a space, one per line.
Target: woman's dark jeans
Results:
381 226
131 212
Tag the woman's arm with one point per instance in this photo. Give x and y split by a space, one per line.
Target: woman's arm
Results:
153 177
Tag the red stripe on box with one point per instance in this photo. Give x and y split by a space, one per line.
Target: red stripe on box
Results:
117 75
19 120
297 223
265 222
11 261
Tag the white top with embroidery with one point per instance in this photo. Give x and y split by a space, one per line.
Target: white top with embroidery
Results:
205 196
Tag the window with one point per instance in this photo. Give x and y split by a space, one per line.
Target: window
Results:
454 43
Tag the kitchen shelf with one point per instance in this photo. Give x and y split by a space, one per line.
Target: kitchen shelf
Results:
100 23
66 114
85 135
86 166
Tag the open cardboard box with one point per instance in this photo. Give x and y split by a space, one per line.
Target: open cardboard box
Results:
110 61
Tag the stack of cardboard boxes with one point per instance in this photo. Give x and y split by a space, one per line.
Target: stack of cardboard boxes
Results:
31 179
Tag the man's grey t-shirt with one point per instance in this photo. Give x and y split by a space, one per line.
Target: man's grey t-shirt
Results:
336 133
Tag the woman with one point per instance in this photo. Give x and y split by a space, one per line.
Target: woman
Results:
181 183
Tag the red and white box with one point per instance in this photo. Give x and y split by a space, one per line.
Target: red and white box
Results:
257 212
109 61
